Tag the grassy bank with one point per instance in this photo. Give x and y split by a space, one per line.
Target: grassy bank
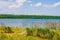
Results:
16 33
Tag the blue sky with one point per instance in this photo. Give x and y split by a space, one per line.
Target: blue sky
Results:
30 7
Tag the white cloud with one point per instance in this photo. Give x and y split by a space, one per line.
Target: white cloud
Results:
31 5
9 6
4 11
18 4
20 1
52 5
11 3
29 1
15 5
56 4
38 4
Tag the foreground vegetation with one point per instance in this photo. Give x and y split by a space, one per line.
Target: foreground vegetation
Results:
16 33
28 16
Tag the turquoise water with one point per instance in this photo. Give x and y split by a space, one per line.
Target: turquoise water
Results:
20 22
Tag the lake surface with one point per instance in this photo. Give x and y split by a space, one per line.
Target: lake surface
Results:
20 22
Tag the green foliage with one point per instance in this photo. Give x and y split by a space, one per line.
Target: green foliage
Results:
6 29
29 31
43 33
55 37
27 38
2 36
29 16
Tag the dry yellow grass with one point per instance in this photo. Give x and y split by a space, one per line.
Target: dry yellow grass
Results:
18 33
57 31
21 32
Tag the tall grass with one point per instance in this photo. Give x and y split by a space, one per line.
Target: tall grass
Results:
43 33
32 33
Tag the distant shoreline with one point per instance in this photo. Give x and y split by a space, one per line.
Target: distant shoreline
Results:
4 16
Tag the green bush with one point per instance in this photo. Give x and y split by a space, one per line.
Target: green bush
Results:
42 32
45 33
6 29
55 37
29 32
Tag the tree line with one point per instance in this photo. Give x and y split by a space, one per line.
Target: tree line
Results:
28 16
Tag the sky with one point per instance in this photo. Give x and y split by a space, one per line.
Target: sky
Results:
30 7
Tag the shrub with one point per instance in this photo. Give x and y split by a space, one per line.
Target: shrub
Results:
45 33
29 32
6 29
55 37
